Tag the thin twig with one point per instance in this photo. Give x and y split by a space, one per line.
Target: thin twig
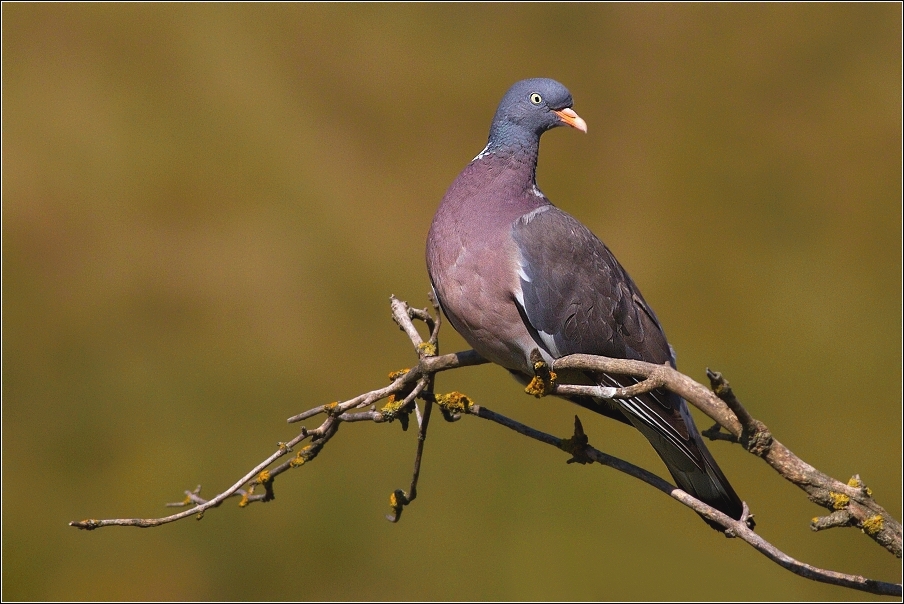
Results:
92 524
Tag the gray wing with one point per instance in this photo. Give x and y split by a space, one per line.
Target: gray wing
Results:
576 298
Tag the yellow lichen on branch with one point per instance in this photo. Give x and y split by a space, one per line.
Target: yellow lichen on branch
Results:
245 497
873 524
539 387
858 484
300 457
394 375
454 402
839 500
544 379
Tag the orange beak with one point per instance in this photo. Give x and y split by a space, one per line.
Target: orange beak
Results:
568 116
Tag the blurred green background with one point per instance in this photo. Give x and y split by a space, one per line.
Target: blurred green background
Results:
206 208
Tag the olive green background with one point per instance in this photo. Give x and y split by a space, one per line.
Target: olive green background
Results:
206 208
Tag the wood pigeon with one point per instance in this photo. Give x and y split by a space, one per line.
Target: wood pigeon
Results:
514 274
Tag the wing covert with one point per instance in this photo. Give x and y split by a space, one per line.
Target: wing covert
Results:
576 296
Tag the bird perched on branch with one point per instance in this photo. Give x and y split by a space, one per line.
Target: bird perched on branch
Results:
514 274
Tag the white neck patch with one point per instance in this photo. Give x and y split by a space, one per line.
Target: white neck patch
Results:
484 153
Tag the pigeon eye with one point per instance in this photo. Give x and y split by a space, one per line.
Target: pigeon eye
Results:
536 99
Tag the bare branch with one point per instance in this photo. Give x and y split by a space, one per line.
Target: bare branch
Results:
850 504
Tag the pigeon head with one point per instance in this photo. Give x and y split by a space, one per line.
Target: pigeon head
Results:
530 108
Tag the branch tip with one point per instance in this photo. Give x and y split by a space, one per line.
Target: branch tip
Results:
398 499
